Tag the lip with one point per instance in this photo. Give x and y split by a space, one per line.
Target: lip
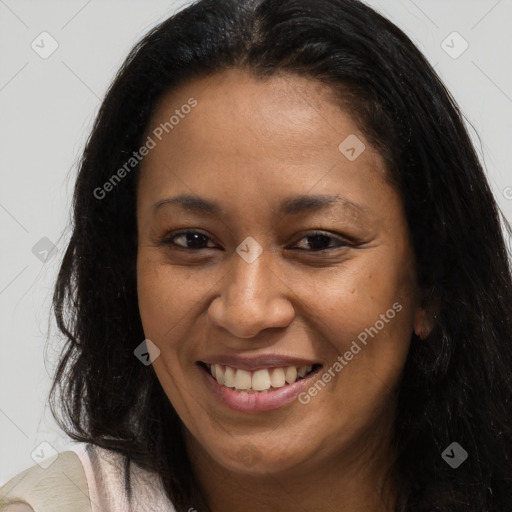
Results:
261 362
260 401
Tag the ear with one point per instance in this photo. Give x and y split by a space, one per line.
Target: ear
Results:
423 323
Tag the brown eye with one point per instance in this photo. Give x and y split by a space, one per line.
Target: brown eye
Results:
321 241
192 240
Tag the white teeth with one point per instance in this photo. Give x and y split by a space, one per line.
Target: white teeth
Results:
242 379
278 379
303 370
260 380
229 377
218 373
291 374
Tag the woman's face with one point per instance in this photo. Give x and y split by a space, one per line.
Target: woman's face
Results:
297 259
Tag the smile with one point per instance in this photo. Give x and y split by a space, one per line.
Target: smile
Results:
258 390
259 381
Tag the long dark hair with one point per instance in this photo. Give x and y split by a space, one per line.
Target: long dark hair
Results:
456 384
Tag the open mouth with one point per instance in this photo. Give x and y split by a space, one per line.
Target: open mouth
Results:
263 380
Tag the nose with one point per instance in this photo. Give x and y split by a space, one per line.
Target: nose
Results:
252 298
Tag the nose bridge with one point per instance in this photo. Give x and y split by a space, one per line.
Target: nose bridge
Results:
250 278
252 297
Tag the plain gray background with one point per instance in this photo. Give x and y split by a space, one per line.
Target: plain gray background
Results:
47 106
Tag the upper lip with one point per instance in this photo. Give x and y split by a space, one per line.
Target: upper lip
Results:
252 363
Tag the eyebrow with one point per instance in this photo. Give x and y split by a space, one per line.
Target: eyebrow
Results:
289 206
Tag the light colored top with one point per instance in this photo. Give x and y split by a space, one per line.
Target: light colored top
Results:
85 478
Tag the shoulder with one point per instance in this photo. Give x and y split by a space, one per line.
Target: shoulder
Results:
62 483
87 478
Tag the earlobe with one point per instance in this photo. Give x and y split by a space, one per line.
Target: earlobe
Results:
423 325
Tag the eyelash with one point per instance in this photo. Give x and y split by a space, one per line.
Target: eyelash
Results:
169 241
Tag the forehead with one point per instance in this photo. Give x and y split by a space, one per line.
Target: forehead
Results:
280 132
281 110
232 89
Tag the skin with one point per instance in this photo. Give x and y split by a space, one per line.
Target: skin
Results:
248 144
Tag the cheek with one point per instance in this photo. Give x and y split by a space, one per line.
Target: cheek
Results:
164 303
166 295
370 301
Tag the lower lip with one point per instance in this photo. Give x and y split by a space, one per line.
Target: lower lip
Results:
259 401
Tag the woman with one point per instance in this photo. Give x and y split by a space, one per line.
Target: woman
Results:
287 285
